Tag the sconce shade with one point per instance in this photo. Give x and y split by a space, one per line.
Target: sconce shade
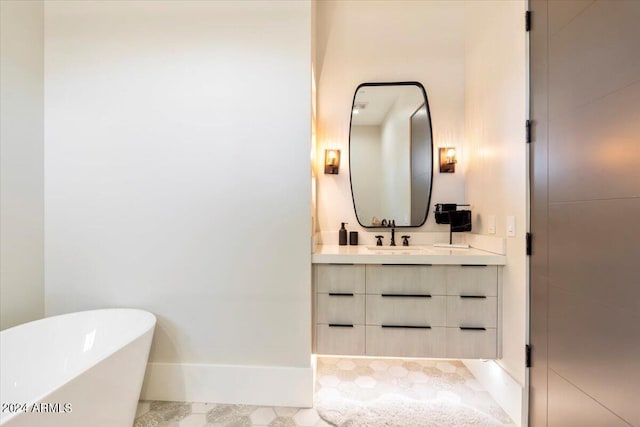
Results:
447 159
331 161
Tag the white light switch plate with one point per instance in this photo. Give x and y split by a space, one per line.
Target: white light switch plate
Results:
511 226
491 224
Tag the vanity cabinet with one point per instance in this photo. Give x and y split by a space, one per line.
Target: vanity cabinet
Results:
340 309
407 310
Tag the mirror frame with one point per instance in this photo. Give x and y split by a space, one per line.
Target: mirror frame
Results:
426 104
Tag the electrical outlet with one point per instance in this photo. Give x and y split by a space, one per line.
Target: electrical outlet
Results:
491 224
511 226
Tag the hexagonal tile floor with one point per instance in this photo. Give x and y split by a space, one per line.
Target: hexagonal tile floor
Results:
354 379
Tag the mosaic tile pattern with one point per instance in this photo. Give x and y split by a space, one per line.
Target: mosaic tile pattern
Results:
352 378
419 379
181 414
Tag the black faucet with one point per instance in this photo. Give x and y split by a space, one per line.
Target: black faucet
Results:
392 224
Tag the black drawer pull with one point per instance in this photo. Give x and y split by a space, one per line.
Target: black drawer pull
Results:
406 295
405 327
340 294
473 265
340 263
472 296
340 325
468 328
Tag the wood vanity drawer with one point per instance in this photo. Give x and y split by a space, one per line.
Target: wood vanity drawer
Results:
340 278
472 344
406 342
473 280
340 308
340 339
417 279
472 311
407 309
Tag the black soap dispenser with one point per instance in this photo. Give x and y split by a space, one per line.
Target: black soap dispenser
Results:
343 235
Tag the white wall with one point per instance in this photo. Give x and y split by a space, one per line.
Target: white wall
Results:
496 180
377 41
177 181
21 162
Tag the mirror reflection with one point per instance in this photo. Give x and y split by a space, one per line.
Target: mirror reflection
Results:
390 154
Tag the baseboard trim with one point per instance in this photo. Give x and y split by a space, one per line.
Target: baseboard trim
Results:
240 384
505 390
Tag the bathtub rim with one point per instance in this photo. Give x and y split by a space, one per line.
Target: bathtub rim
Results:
109 351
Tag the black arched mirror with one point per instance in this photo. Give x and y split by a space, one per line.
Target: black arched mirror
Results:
391 154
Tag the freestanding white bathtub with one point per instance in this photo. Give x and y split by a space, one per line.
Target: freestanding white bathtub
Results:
78 369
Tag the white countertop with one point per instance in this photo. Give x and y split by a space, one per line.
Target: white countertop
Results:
363 254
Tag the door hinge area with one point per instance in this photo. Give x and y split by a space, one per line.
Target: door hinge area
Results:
527 126
529 243
527 20
527 356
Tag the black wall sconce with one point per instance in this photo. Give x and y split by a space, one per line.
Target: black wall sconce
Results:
448 160
331 161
